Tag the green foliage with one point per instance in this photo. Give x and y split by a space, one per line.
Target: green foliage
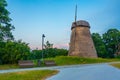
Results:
5 25
111 40
36 54
118 56
5 34
28 75
99 45
48 53
53 52
107 45
48 45
11 51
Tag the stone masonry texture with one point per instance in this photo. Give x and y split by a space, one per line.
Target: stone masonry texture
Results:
81 43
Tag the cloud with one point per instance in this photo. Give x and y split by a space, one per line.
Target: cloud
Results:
64 46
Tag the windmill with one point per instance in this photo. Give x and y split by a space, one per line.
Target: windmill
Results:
81 43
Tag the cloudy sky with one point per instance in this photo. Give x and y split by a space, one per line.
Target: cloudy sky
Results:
32 18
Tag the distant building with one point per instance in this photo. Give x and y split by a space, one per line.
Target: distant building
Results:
81 43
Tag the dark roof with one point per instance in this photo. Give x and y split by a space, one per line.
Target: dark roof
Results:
80 23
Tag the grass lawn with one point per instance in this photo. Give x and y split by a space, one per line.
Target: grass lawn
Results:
116 65
28 75
70 60
8 66
66 60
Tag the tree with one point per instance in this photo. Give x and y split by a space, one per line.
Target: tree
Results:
5 25
36 54
22 50
112 40
61 52
2 52
48 51
48 45
99 45
12 51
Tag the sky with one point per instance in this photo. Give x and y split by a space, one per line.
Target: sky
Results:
54 18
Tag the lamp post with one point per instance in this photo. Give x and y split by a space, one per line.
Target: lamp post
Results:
43 36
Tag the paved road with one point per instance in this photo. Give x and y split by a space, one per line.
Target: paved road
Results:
79 72
91 72
43 68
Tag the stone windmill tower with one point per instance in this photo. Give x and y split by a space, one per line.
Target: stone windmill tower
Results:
81 43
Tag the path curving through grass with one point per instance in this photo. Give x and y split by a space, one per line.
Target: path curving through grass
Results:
28 75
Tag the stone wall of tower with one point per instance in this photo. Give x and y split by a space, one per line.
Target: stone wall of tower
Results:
81 43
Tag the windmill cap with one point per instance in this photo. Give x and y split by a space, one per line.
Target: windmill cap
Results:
80 23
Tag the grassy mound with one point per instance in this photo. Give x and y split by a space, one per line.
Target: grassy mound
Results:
9 66
116 65
28 75
70 60
64 60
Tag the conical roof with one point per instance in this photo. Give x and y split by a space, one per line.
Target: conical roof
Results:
80 23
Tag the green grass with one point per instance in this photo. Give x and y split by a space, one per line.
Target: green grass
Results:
9 66
116 65
28 75
66 60
70 60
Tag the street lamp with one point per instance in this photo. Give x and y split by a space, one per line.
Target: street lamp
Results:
43 36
